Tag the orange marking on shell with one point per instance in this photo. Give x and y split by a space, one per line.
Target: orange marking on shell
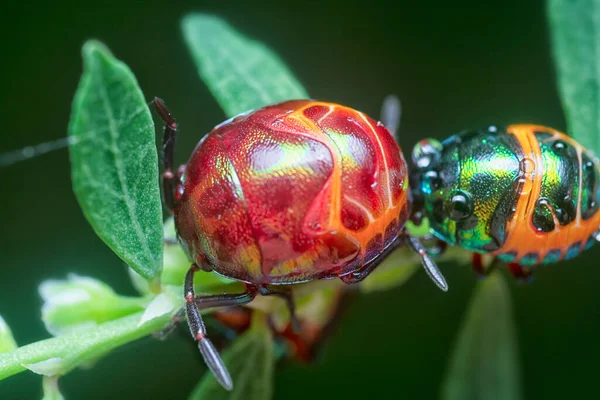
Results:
386 168
523 236
376 226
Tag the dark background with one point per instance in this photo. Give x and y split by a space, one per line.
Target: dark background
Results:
468 65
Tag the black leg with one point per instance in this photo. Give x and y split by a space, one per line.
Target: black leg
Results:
366 270
415 244
210 301
226 300
428 264
520 273
434 246
168 179
285 294
164 333
329 327
193 305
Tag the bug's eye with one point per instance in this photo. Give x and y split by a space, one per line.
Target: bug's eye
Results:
431 182
426 152
459 205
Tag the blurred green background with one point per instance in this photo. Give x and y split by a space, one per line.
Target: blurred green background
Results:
455 66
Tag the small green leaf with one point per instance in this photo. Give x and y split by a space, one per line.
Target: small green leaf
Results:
7 342
243 74
575 29
114 161
485 363
250 361
82 303
50 386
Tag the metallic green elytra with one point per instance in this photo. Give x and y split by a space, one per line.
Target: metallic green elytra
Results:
527 194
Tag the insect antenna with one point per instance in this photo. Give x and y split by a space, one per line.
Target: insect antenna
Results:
391 111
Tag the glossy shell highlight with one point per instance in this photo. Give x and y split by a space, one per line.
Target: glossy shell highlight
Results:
292 192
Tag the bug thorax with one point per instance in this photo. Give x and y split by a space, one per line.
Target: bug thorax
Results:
460 185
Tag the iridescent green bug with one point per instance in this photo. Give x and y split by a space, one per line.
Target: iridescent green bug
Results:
526 194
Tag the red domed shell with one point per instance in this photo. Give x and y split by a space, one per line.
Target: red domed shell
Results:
292 192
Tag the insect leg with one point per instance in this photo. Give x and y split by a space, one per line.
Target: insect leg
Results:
168 178
482 269
369 267
391 110
210 301
520 273
477 265
434 246
193 305
164 333
306 345
430 266
285 294
226 300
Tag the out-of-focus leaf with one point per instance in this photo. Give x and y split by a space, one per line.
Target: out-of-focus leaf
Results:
243 74
250 361
484 362
395 270
114 162
82 303
316 303
575 33
7 342
402 264
318 306
50 386
418 230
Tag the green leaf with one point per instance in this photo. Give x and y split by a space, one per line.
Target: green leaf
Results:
243 74
114 162
575 34
61 354
81 303
485 363
250 361
7 342
50 386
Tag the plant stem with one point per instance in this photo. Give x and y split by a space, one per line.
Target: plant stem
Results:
75 348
